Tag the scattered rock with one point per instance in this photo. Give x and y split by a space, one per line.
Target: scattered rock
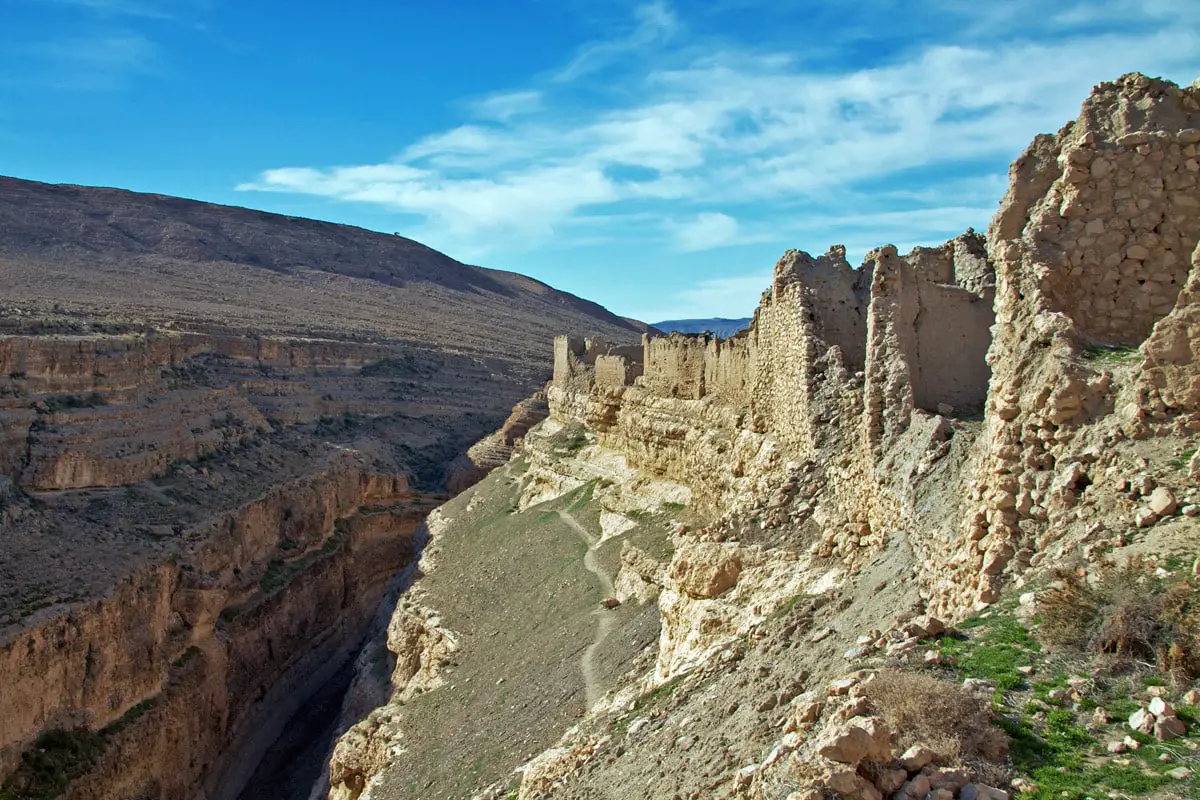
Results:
1141 721
1159 707
861 739
916 757
979 791
1162 502
1169 727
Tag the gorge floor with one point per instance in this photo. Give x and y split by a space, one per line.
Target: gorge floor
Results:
513 587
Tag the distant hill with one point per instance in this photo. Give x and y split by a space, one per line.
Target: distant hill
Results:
98 253
719 325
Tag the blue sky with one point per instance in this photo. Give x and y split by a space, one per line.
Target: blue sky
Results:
657 156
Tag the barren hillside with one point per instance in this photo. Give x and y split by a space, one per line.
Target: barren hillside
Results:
219 432
111 255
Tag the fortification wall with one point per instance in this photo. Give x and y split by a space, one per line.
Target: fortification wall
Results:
1090 249
674 365
729 370
1171 370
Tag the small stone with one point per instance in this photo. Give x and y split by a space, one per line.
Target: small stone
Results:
807 712
1116 748
1169 727
861 739
1190 510
1144 518
1159 707
979 686
824 633
1162 502
843 685
1180 773
610 602
1131 743
918 787
1100 716
916 757
857 653
1190 698
923 627
979 791
890 780
1141 721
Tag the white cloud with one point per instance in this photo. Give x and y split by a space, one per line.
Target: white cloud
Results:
655 23
97 63
899 150
706 231
503 106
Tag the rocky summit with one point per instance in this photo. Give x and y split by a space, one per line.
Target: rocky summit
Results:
927 529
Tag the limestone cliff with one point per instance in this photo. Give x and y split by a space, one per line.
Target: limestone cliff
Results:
914 436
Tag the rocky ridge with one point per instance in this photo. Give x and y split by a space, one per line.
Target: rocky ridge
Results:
886 449
218 440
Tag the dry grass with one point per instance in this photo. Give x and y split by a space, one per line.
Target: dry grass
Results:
944 717
1128 613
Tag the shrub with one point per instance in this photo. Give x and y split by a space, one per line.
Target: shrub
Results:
1129 613
945 717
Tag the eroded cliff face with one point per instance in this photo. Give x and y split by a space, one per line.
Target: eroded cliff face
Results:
183 664
910 437
198 528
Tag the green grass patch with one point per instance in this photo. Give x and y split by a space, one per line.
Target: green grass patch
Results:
670 506
658 694
59 757
1182 462
186 657
583 496
994 652
1114 354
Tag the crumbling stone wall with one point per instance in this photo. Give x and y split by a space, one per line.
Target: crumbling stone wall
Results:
927 338
674 365
576 359
1090 246
1089 249
1171 367
617 371
728 369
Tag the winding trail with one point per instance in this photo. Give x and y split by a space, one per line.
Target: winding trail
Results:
593 691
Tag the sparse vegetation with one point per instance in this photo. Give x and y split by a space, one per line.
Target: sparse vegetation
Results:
949 719
1111 354
60 756
66 402
1128 613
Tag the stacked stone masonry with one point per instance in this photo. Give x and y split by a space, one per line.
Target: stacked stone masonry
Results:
871 371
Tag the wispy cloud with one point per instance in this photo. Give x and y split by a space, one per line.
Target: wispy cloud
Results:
706 231
503 106
654 23
97 63
110 42
729 143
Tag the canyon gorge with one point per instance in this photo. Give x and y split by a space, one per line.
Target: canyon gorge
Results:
497 542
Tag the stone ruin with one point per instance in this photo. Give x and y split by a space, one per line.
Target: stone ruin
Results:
1090 252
